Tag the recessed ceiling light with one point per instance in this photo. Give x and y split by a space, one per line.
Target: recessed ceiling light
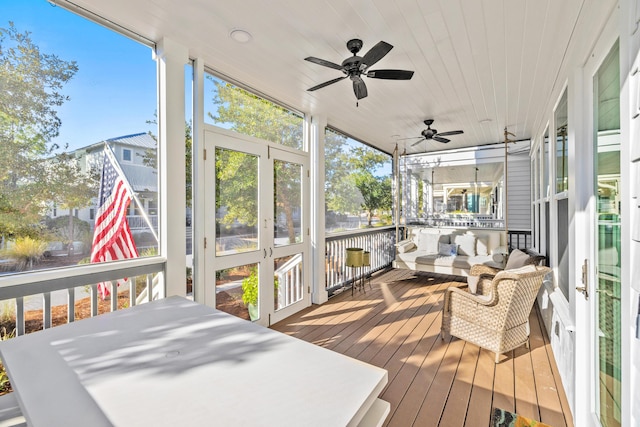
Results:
241 36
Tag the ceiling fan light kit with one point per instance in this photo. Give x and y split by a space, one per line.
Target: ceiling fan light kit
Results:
355 66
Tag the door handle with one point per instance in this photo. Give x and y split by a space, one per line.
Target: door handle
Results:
585 280
270 252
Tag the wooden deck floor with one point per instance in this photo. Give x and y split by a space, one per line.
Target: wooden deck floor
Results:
396 325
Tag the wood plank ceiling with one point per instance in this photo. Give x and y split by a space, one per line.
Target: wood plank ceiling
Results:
479 65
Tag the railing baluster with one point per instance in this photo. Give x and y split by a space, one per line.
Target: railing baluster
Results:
46 310
71 305
19 316
94 300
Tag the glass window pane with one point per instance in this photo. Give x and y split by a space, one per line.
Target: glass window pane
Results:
231 107
545 166
236 202
237 291
54 128
357 184
287 203
562 144
607 188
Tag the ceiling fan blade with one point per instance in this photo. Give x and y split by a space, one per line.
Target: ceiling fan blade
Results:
439 139
359 88
418 142
390 74
321 85
451 132
376 53
323 62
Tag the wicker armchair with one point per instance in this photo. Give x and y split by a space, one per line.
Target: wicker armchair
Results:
497 320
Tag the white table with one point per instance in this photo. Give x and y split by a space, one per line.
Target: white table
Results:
173 362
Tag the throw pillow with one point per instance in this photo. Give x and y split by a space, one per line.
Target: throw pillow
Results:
405 247
446 249
516 259
466 244
431 242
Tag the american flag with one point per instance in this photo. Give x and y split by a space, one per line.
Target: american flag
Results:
112 238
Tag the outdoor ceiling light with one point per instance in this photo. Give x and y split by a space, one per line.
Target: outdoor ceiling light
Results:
241 36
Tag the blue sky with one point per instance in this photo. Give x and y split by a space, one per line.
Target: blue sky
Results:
114 91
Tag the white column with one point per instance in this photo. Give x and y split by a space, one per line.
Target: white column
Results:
172 58
199 213
316 126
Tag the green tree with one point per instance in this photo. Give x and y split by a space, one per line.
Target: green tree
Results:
70 187
376 192
351 184
32 83
340 188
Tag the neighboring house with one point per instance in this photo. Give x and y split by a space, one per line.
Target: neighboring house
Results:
129 151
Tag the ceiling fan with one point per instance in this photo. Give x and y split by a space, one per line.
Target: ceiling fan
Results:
355 66
429 133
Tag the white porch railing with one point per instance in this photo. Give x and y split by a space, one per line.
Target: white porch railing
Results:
378 241
290 282
15 289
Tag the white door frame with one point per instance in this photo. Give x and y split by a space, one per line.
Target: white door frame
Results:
266 251
586 243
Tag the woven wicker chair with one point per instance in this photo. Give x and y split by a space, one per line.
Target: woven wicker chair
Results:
498 319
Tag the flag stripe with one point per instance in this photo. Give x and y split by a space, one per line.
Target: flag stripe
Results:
112 238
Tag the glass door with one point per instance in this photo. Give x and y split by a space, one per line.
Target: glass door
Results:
257 222
290 240
607 228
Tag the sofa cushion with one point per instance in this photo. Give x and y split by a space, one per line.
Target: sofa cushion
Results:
433 259
516 259
466 244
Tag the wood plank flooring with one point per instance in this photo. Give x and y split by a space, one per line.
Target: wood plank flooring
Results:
395 324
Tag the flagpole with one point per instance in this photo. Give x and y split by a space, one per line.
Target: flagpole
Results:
112 156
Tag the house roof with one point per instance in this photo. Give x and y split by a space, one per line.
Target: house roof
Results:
141 140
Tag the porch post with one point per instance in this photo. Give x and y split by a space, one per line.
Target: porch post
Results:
316 136
171 59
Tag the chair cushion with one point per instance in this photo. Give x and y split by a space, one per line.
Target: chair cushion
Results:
472 282
529 268
516 259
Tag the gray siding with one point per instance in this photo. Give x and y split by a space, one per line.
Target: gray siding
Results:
519 193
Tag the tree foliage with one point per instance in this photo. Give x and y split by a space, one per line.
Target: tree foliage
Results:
32 83
351 183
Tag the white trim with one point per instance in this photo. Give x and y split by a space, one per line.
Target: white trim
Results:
198 189
316 134
171 59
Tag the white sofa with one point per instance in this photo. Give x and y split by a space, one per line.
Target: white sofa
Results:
425 250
